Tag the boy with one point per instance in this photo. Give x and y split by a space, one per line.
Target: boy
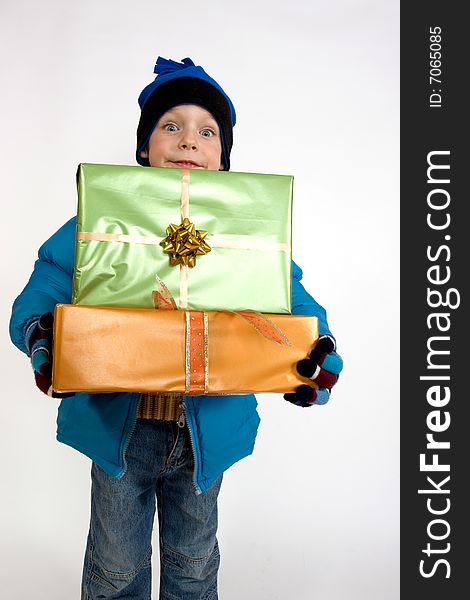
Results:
166 446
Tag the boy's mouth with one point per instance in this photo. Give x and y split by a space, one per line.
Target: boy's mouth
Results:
186 164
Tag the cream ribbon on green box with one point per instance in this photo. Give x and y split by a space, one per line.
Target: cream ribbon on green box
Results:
214 240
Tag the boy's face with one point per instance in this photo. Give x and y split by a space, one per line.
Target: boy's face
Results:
186 137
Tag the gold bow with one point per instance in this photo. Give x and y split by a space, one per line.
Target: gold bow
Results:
184 243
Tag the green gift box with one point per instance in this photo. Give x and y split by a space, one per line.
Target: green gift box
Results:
183 238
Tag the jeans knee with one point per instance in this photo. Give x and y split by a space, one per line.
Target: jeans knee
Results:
199 568
101 583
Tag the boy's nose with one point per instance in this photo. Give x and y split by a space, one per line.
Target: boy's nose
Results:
188 141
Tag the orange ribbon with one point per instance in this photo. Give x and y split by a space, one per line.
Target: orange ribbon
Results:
197 345
197 352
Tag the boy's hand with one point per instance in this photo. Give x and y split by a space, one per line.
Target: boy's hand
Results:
322 366
38 338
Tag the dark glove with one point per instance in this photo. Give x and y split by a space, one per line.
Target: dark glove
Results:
38 339
322 366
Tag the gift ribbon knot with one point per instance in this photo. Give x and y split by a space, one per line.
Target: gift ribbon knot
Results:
184 243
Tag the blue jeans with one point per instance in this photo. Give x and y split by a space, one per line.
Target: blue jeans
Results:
118 553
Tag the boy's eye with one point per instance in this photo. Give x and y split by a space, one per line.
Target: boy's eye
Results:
207 132
170 127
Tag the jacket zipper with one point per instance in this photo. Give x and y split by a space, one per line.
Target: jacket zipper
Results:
128 440
182 421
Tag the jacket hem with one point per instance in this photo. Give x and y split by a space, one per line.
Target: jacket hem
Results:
112 469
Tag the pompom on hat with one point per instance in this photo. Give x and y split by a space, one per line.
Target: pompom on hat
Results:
184 83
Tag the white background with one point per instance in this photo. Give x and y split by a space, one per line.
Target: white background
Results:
314 513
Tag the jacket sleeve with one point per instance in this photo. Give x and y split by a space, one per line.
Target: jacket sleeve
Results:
49 284
304 304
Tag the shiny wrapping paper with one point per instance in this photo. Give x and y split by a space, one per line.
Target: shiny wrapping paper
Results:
109 349
123 215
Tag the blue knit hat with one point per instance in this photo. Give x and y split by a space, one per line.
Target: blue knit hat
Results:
184 83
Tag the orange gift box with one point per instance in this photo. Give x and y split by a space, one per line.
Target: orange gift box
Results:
111 349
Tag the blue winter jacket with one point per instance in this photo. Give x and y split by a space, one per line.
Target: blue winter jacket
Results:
222 429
